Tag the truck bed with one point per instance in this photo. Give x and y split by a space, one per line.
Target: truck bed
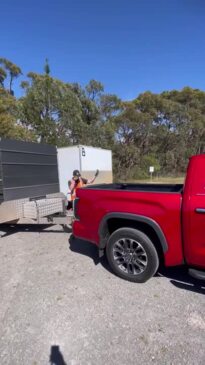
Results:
160 203
158 188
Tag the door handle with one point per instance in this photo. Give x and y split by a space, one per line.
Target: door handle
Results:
200 210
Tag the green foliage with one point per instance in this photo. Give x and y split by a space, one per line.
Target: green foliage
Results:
147 161
51 110
110 106
2 76
89 109
94 89
166 129
47 68
11 71
9 128
160 130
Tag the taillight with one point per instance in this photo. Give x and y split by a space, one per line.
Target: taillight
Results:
75 208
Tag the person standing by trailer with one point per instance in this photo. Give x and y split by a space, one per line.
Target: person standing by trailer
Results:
77 182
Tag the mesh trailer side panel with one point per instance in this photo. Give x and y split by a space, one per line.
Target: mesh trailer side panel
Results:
27 170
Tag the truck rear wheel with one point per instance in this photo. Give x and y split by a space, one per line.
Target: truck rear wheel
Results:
132 255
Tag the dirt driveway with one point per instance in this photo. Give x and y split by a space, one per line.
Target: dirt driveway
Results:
59 303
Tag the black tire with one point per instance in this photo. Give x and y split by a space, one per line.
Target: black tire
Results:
140 264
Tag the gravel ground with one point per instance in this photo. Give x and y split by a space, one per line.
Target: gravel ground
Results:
61 305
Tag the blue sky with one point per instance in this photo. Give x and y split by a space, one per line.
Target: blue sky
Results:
129 45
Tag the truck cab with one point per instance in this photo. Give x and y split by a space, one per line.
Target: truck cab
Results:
193 213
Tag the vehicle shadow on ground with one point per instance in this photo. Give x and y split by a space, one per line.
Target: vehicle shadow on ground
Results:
8 230
87 248
178 276
56 357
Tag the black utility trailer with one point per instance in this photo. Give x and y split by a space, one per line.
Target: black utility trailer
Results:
29 184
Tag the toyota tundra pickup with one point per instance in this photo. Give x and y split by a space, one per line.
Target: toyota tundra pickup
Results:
142 225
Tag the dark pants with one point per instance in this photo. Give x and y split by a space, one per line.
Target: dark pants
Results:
70 205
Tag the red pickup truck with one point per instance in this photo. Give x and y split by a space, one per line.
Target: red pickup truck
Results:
142 225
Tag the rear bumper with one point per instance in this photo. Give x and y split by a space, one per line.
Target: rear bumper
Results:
81 231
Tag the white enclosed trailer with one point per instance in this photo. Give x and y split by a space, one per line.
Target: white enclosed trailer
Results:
85 159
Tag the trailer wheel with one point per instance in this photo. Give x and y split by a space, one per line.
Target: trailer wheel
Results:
132 255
